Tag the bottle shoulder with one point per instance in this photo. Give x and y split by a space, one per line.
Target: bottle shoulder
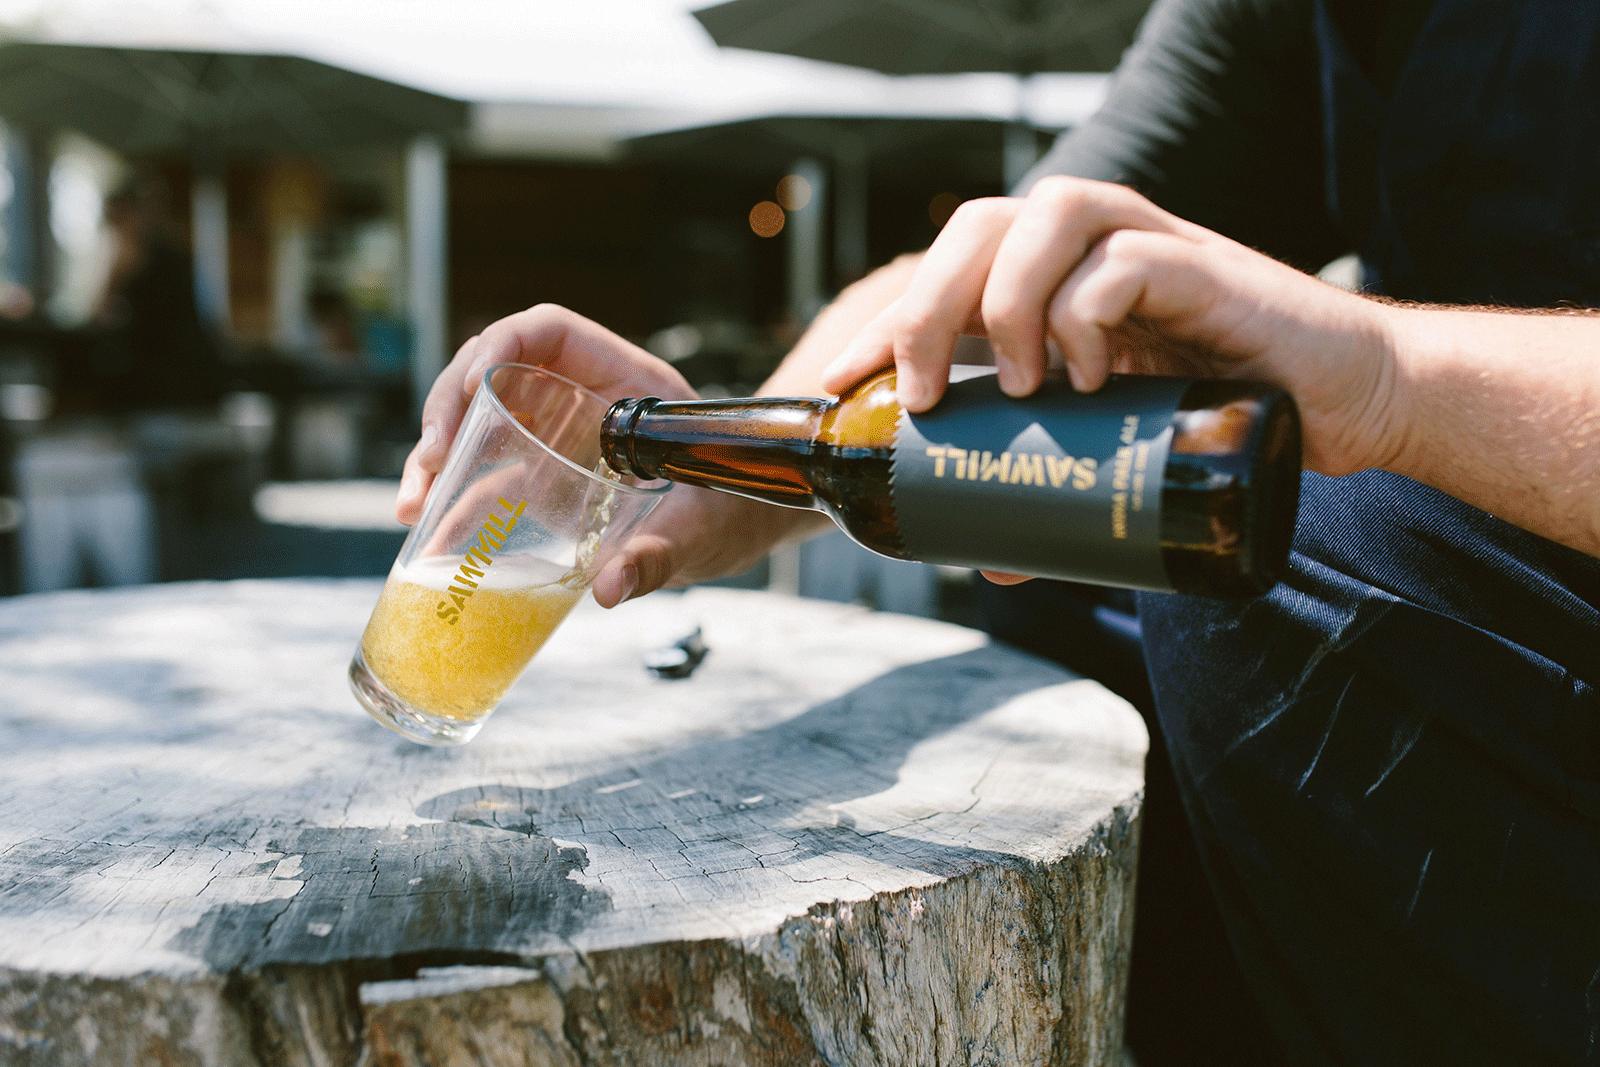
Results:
865 417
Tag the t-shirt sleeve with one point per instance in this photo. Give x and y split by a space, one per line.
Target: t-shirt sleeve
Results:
1214 114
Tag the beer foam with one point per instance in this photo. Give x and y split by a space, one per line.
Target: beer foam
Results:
455 655
505 573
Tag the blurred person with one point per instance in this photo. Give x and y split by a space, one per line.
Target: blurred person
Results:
16 301
333 324
1389 762
155 352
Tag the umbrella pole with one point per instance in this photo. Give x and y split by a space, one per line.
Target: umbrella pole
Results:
30 250
1020 150
208 214
807 286
850 195
426 251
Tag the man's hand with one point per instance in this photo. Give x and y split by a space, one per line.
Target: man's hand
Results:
1114 283
1492 406
543 336
693 534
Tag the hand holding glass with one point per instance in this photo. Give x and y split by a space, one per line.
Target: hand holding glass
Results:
513 532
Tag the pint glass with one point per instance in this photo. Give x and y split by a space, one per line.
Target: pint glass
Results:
514 530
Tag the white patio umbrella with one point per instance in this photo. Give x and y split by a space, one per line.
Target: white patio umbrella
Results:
907 37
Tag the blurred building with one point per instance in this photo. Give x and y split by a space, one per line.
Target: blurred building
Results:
225 271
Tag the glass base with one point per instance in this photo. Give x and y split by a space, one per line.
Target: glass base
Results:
420 726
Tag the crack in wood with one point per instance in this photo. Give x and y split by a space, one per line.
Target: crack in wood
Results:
939 865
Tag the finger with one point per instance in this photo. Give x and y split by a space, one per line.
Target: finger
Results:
1002 578
943 298
415 481
1133 273
442 410
441 417
1057 226
548 335
1079 331
642 566
870 350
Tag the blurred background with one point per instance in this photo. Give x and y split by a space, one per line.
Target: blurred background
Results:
238 238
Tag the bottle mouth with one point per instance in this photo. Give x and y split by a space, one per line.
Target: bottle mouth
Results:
617 443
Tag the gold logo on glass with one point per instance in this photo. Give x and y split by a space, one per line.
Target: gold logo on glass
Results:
491 538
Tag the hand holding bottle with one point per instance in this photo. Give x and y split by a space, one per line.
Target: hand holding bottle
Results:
1117 284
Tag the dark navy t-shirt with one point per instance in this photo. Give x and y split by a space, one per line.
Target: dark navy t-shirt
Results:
1392 761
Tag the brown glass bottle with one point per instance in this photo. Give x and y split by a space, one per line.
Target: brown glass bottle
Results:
1189 485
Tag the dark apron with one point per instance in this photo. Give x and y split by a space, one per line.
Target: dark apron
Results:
1392 761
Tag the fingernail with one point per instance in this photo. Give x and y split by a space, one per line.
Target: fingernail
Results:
430 437
410 485
1009 383
910 394
1075 376
629 582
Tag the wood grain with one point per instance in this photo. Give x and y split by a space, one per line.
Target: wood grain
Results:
849 838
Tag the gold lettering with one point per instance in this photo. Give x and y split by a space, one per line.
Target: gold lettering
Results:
511 520
937 454
1060 468
960 456
993 467
1130 428
491 536
1119 516
1121 467
1028 469
1083 473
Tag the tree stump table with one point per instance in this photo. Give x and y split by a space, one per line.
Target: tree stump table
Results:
848 838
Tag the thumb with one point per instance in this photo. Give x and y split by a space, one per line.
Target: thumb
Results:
1002 578
642 566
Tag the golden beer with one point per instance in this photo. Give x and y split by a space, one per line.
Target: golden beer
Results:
516 526
457 664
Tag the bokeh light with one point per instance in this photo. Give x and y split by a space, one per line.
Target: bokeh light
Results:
794 192
766 219
941 207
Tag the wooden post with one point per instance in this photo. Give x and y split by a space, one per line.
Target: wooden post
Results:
807 266
849 838
208 212
427 255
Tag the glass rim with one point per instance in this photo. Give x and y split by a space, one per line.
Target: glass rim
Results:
486 385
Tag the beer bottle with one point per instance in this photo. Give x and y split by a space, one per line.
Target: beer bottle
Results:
1188 485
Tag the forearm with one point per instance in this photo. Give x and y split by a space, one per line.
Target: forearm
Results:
839 322
799 374
1502 410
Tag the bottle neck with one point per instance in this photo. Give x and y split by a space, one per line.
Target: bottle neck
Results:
759 447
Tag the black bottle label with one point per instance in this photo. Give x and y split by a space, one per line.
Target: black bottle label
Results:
1060 484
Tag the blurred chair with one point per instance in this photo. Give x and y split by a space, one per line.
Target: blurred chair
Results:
326 435
86 517
833 567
